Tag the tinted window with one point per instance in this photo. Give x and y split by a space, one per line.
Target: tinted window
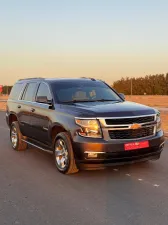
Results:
66 91
43 91
29 92
16 90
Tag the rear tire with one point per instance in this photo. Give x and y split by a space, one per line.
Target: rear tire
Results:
63 154
16 137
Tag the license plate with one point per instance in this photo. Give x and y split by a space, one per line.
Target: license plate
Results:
136 145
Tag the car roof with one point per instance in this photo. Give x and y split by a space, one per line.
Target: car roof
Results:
53 80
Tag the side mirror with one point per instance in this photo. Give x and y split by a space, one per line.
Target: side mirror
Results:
122 96
43 99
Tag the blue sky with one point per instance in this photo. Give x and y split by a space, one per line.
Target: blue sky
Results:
108 39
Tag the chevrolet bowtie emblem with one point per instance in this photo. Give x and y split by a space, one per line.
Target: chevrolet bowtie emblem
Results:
135 126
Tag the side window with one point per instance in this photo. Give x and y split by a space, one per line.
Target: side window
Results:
15 92
44 91
29 92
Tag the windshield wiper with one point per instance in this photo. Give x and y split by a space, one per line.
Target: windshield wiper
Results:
98 100
106 100
76 101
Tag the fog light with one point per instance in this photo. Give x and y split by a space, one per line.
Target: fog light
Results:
92 155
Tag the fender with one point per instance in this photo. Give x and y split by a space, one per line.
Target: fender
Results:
59 127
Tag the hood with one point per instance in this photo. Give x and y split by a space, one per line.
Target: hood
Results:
108 109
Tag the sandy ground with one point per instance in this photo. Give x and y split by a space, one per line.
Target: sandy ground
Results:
150 100
3 97
153 101
164 117
2 106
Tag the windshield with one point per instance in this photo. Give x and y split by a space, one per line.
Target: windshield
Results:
83 92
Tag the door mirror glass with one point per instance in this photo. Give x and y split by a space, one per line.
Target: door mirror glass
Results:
44 94
43 99
122 96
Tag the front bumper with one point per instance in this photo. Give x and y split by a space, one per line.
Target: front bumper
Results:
112 152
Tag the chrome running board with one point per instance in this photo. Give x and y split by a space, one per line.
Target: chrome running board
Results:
45 150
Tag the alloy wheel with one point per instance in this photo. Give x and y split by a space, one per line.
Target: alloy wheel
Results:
61 154
14 137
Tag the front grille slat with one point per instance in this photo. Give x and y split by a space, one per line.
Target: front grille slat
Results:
132 134
124 121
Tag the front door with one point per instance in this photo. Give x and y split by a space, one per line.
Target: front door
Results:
40 118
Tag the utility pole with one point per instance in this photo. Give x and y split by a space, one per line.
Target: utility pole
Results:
131 86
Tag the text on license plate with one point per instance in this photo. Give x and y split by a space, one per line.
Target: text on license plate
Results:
136 145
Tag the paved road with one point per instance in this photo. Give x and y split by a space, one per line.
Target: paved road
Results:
32 192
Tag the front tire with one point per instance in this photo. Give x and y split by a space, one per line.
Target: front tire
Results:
16 137
63 154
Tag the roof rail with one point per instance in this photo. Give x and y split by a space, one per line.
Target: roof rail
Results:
32 78
93 79
102 80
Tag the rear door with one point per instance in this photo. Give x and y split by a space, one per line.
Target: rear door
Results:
13 106
26 105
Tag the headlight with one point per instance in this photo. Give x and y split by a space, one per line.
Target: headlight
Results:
89 128
158 120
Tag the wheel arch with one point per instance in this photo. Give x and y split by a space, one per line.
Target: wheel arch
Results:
55 130
12 118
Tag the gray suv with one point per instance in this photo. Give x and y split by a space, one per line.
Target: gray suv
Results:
84 122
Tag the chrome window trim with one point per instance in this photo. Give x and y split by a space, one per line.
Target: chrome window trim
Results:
21 93
25 89
32 102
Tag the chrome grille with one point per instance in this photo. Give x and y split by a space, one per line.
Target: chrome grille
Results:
131 120
127 128
132 134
